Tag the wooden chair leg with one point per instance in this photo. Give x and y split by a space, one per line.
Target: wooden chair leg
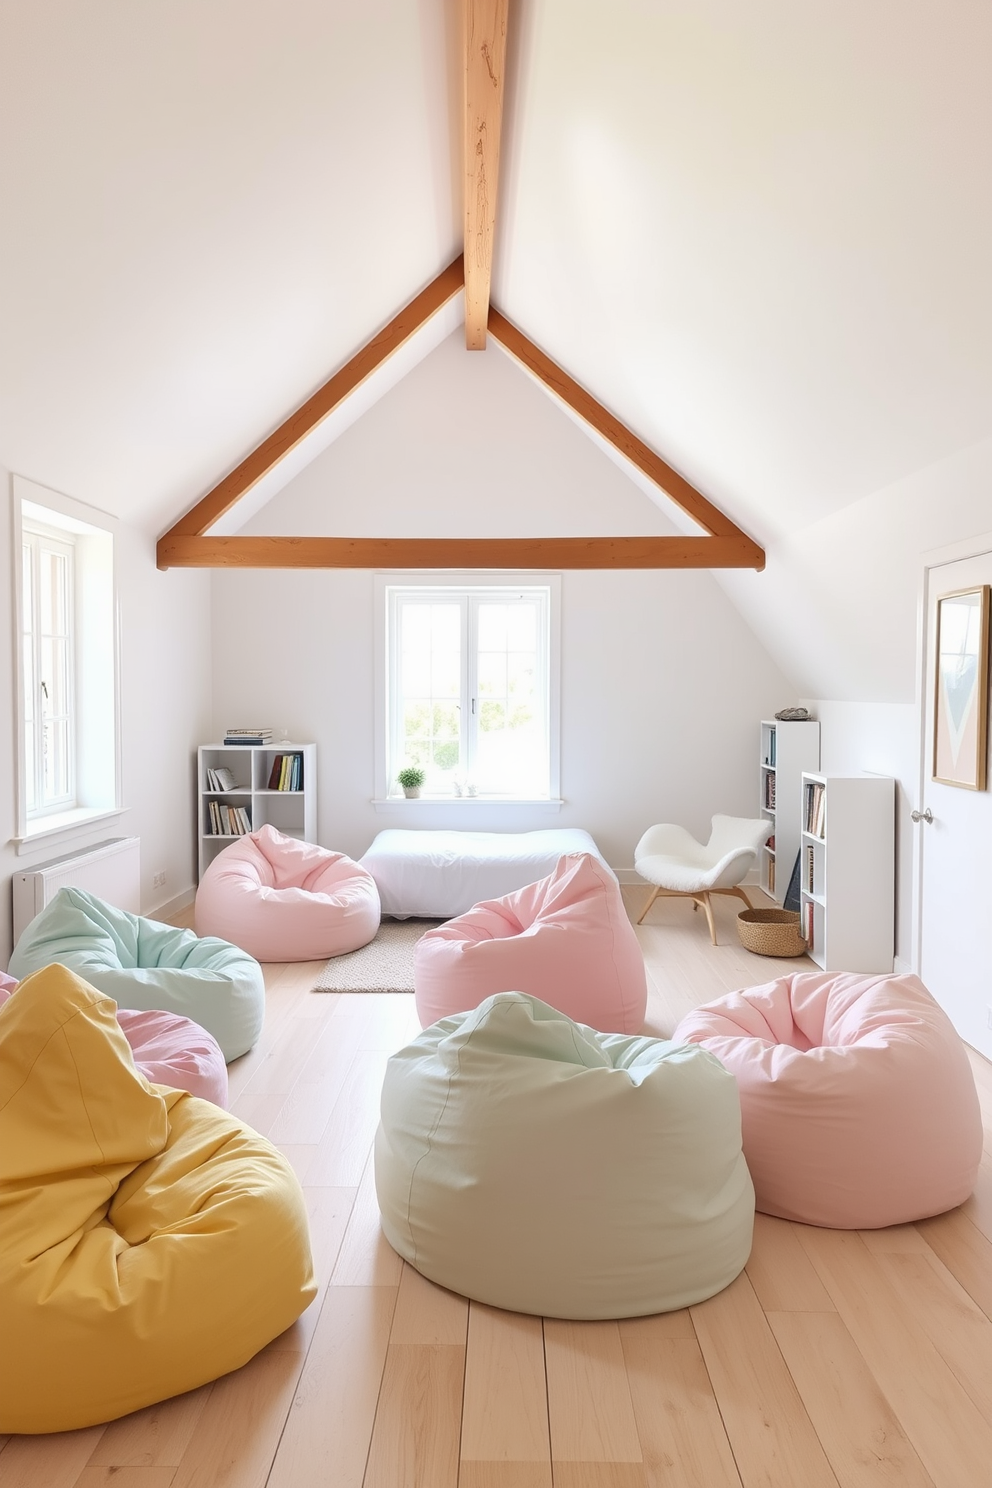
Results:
648 905
705 899
741 895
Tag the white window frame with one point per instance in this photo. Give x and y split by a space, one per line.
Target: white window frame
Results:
39 537
96 763
477 586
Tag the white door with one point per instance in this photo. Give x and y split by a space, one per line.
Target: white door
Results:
955 855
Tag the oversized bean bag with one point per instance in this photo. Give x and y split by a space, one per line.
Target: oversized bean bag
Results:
144 965
539 1166
285 900
149 1242
566 940
858 1104
168 1050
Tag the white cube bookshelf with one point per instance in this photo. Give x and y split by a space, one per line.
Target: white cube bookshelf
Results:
847 871
787 749
293 812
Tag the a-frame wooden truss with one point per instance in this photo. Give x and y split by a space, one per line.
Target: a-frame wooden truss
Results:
186 544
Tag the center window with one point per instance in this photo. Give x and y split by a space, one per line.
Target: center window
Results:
469 689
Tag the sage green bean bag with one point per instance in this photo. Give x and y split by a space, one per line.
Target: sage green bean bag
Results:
534 1164
143 964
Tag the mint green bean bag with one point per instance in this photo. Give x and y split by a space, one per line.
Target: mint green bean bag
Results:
534 1164
143 964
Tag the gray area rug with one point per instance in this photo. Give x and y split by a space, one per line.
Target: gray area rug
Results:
384 965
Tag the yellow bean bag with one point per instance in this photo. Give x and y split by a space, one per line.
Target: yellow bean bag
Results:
149 1241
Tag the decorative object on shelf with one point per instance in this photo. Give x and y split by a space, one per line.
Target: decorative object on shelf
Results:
792 715
960 714
771 932
411 779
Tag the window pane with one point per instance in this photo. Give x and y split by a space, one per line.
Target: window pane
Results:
511 747
55 742
28 587
430 687
30 765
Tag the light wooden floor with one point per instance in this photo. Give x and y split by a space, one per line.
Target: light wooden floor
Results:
837 1358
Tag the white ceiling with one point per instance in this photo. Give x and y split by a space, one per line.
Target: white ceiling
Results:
761 233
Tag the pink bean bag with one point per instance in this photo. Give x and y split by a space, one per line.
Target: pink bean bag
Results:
168 1050
566 940
280 899
858 1103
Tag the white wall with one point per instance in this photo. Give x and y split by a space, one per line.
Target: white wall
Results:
838 608
165 692
662 682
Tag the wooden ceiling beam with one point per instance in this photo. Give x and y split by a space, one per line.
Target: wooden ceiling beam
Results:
513 553
318 407
484 29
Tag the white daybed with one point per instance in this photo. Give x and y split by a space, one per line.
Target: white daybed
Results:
437 875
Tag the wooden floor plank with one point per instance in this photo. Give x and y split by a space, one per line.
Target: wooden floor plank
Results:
344 1148
155 1437
682 1435
955 1325
366 1258
945 1427
334 1406
426 1313
965 1252
590 1412
857 1428
505 1410
415 1437
51 1461
772 1438
240 1425
781 1272
104 1476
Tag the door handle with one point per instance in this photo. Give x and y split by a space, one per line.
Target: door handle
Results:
926 816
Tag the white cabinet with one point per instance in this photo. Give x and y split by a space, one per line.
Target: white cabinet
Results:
847 871
787 749
254 790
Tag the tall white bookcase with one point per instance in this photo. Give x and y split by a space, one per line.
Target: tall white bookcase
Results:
787 749
847 871
292 812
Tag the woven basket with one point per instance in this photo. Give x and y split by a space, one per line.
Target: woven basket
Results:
770 932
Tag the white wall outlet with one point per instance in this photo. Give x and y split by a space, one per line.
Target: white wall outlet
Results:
158 882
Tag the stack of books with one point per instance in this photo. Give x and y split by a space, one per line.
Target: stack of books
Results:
248 736
223 780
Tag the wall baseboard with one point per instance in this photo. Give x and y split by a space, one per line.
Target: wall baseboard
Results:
171 906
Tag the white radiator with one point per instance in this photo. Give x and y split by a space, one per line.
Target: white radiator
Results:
111 870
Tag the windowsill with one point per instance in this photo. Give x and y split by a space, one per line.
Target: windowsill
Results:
62 827
461 803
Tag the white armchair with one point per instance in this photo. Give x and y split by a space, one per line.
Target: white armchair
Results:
670 858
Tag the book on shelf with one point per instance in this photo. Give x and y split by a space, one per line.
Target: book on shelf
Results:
810 869
808 913
771 875
770 792
771 748
222 779
814 809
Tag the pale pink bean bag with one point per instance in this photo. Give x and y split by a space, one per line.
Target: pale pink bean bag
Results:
168 1050
566 940
858 1103
280 899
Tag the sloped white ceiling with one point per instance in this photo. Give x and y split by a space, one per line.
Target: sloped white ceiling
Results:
760 233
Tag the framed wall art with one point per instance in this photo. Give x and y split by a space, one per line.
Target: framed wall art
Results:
961 704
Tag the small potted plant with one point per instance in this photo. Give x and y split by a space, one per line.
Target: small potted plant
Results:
411 779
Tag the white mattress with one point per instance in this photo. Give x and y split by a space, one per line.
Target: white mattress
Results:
441 874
